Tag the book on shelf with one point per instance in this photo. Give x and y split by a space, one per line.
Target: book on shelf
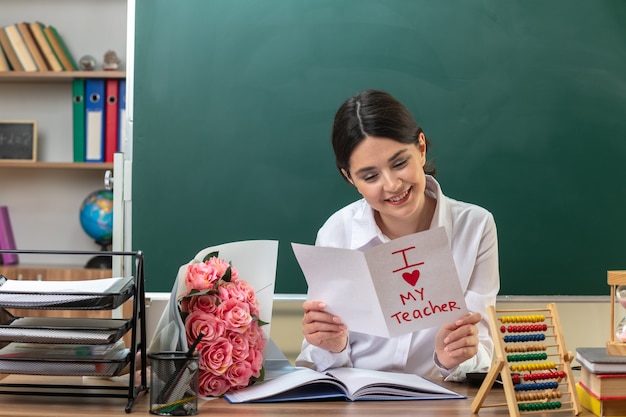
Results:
60 49
598 407
603 385
4 63
37 29
20 48
7 239
33 48
597 360
351 384
14 61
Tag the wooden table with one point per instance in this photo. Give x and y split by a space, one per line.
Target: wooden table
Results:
45 406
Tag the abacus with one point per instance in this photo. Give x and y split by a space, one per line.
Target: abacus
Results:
531 359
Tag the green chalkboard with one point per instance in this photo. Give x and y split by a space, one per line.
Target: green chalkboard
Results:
524 101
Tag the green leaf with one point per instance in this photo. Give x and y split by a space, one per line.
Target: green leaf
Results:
211 255
259 378
227 275
195 292
259 321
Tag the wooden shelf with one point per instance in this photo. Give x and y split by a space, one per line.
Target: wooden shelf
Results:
55 165
63 76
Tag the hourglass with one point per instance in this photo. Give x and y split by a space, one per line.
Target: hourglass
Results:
617 343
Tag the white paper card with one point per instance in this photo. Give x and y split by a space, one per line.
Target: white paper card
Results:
402 286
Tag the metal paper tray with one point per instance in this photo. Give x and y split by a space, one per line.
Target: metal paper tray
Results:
111 299
61 330
64 367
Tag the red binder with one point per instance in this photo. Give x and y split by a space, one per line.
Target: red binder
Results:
111 117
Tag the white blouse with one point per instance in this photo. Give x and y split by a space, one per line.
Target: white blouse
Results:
473 239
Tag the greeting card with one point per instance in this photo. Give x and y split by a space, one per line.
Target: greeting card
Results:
398 287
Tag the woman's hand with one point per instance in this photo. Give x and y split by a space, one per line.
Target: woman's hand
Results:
457 342
322 329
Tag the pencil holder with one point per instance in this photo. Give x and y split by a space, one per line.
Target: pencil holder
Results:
173 384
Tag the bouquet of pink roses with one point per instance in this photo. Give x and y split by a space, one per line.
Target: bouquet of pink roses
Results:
225 311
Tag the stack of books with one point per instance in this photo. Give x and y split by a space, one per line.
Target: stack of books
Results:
33 47
602 385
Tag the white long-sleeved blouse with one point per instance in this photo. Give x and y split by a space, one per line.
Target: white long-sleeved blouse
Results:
472 234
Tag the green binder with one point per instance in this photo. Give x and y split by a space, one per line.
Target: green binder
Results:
78 115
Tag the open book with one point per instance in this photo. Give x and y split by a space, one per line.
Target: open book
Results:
351 384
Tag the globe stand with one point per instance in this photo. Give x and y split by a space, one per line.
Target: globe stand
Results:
101 261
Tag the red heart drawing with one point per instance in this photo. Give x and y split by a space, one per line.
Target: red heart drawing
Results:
411 277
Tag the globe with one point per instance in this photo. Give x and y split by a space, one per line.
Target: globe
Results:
96 216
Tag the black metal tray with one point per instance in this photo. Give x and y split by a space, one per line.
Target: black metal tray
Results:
61 329
110 299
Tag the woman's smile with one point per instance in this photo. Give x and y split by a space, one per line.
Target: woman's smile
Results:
399 198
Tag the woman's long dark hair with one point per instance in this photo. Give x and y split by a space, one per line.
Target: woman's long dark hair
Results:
373 113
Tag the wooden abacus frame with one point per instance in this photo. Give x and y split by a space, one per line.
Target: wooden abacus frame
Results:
524 321
614 347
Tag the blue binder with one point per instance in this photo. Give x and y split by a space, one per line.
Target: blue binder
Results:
122 116
94 120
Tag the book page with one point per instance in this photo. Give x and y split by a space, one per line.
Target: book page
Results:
379 384
301 384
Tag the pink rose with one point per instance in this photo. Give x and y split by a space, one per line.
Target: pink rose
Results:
249 297
216 356
239 374
255 335
230 290
242 292
201 276
255 358
205 302
235 314
239 342
204 275
221 266
211 385
227 314
201 322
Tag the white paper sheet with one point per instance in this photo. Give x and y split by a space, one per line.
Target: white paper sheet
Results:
255 260
402 286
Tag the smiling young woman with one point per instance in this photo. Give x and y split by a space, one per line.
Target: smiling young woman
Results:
381 151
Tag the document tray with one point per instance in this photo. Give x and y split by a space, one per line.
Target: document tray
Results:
107 300
64 367
61 329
